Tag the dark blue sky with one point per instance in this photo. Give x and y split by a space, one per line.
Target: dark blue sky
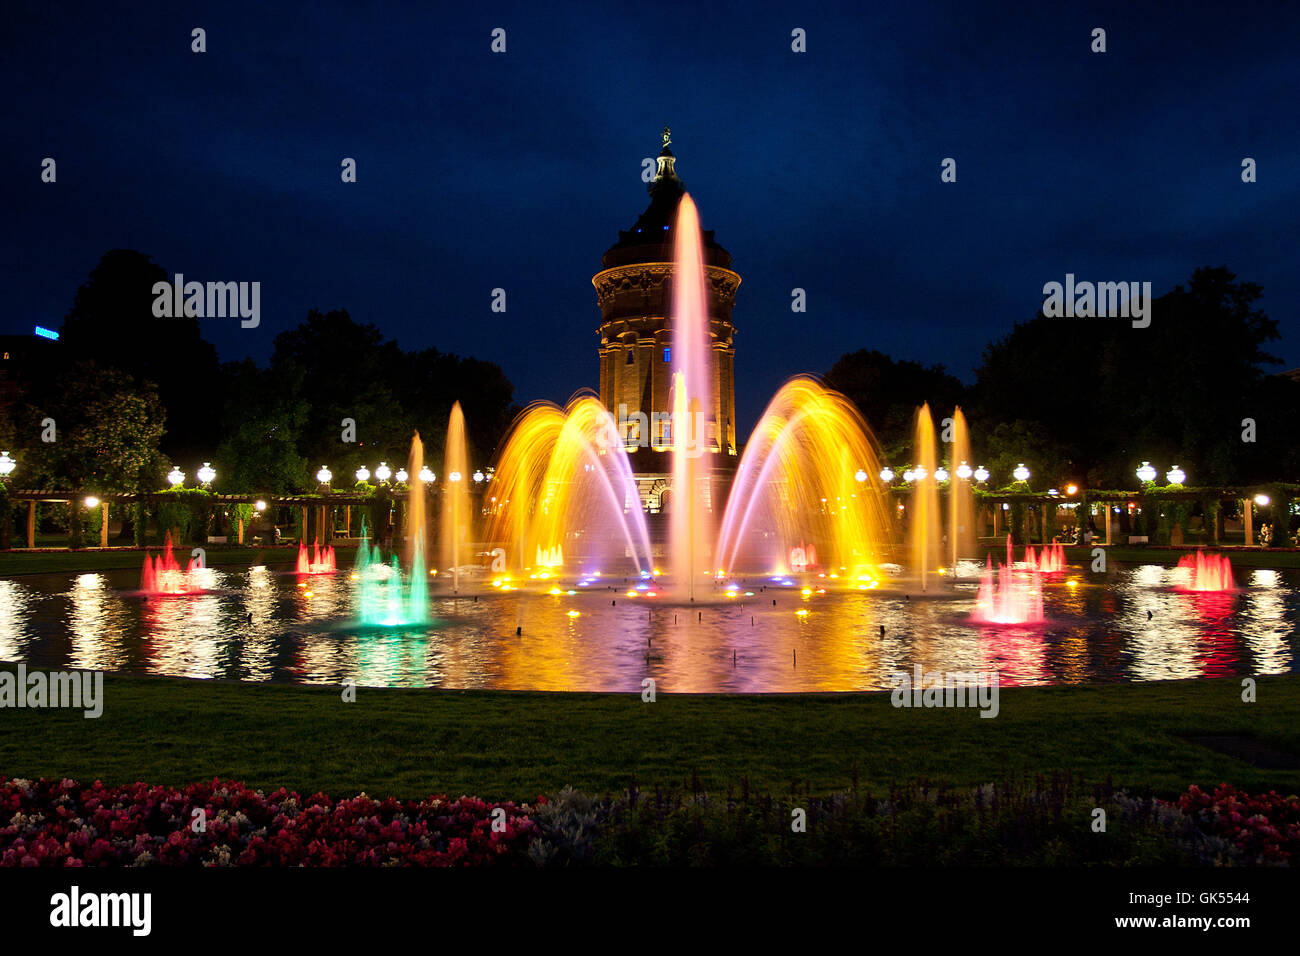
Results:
818 170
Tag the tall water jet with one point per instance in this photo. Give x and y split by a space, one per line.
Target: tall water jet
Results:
961 494
690 527
923 522
1008 596
808 483
455 496
416 535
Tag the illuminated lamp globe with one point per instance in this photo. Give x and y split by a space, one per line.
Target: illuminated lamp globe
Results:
454 476
1175 475
175 477
206 474
919 473
6 464
941 474
92 501
1021 473
259 505
1262 500
1146 473
401 476
859 476
478 477
886 474
909 475
363 473
383 472
964 471
324 475
981 474
426 475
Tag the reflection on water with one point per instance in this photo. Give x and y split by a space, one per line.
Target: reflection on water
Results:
255 624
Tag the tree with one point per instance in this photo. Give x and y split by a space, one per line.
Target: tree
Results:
888 393
262 425
112 324
108 429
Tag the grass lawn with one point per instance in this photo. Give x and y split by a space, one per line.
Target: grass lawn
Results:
503 745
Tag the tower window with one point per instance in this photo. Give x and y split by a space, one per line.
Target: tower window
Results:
668 354
631 357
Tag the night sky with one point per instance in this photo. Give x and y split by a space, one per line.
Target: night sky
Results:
818 170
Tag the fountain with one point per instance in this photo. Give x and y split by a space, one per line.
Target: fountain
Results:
162 575
961 496
1009 597
563 489
319 561
923 522
690 534
383 599
1050 561
807 489
1206 572
455 497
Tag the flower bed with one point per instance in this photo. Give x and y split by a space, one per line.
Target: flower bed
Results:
1039 822
69 824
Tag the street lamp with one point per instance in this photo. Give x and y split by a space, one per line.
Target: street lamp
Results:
1146 473
92 501
964 471
1021 473
7 465
175 477
941 474
886 475
454 476
383 473
206 475
1175 476
363 474
1262 500
909 476
981 474
427 476
324 475
259 505
478 477
919 473
401 476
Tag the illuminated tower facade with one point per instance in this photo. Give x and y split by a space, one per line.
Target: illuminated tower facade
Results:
634 292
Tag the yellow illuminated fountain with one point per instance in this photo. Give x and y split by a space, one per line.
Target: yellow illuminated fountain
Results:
961 495
924 531
455 529
563 486
807 483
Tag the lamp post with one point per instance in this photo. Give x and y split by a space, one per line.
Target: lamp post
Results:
1175 476
1146 473
7 465
981 474
363 474
886 474
401 476
383 473
427 476
1021 473
324 476
207 475
941 474
175 477
964 471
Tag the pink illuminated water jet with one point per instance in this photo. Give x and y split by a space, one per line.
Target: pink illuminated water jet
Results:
320 561
1206 572
1010 596
1050 561
163 575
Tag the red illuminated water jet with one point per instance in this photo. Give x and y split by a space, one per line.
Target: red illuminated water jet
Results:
1010 596
1050 561
321 560
1206 572
162 575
